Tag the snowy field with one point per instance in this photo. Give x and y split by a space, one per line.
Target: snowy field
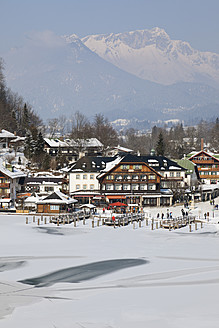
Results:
84 277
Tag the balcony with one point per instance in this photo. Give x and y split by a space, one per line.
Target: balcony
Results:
5 185
202 161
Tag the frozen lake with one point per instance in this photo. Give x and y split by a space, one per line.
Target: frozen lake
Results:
103 277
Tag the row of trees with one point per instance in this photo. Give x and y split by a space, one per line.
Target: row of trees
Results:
176 141
78 127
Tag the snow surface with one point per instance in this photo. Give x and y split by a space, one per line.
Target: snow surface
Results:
157 278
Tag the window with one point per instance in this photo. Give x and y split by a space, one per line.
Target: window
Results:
77 187
54 207
151 186
49 189
126 187
143 187
171 174
135 177
109 187
92 187
134 187
109 177
84 176
77 176
144 177
178 174
118 187
92 176
84 186
124 167
152 177
137 167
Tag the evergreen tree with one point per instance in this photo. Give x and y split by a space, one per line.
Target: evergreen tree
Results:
39 145
160 146
28 145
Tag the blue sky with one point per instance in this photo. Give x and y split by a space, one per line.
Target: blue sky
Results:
195 21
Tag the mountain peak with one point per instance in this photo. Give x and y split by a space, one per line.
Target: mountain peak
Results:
151 55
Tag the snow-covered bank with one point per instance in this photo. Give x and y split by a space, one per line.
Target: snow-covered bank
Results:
176 284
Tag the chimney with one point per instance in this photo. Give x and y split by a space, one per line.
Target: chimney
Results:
202 144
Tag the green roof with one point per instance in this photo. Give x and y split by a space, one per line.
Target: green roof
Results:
188 165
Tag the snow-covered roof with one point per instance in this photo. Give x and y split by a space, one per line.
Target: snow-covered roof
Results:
174 168
56 142
92 142
88 206
13 175
126 150
32 199
6 134
57 197
18 139
110 166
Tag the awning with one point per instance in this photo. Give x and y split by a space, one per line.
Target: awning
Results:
116 197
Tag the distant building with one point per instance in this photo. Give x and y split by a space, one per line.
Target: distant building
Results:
72 149
5 138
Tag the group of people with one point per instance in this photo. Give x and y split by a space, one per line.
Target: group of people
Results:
184 213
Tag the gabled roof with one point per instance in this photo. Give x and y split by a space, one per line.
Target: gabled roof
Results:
57 197
7 134
126 159
206 153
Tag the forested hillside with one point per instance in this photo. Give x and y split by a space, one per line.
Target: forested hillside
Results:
16 115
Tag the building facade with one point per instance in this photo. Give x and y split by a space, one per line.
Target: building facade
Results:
132 180
208 166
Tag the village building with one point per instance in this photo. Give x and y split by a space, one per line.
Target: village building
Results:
82 178
208 166
11 182
71 149
44 185
173 176
55 203
131 180
5 138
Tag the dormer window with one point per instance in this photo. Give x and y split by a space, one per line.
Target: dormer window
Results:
84 165
93 164
124 167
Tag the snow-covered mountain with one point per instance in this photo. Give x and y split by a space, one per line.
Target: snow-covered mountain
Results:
152 55
62 75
